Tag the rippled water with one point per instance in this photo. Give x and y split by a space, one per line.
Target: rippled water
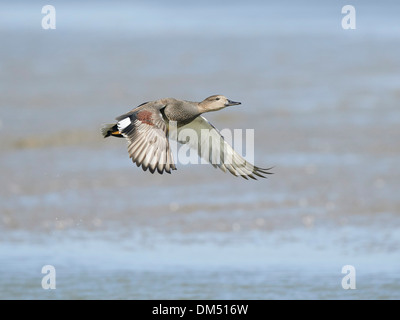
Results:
323 102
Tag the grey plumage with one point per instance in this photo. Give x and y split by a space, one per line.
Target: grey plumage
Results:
147 130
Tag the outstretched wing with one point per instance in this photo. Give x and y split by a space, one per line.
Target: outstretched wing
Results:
146 131
211 146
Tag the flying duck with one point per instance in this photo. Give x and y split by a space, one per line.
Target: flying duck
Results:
149 126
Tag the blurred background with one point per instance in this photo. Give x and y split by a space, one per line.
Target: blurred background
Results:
324 104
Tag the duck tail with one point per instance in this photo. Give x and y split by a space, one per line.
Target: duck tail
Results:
110 130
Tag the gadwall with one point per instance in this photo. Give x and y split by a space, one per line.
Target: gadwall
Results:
149 126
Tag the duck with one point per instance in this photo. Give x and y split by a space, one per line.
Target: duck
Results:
150 126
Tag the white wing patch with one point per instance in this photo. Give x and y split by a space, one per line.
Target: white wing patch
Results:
123 123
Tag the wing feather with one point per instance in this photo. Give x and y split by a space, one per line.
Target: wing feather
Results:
217 151
146 132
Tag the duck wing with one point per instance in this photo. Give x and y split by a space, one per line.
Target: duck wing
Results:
146 132
212 147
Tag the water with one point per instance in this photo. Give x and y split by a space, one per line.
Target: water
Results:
324 105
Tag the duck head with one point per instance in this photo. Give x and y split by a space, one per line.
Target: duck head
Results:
215 103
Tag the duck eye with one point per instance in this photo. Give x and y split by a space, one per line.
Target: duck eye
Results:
217 99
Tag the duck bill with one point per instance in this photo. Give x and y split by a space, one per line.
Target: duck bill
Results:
231 103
